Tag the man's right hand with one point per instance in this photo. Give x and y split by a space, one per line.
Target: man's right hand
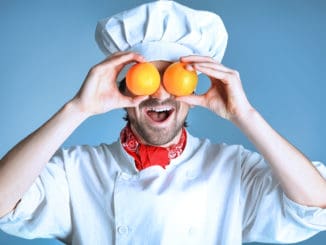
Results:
99 92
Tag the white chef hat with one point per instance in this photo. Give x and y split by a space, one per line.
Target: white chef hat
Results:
163 30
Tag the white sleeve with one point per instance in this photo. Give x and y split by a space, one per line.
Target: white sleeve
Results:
268 214
44 210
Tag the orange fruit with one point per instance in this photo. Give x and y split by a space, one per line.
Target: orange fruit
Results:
177 80
143 79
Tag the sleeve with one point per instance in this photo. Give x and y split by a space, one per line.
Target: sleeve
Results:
44 210
268 214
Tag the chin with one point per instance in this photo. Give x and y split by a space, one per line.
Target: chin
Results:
159 136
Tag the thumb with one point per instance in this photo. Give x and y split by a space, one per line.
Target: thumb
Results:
192 100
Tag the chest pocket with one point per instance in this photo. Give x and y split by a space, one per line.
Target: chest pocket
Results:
160 207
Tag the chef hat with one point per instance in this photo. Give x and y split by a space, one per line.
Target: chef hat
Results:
163 30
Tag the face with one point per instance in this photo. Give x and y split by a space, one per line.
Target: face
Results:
159 119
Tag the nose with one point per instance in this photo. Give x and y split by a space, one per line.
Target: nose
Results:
161 93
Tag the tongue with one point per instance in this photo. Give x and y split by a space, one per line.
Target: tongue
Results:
158 116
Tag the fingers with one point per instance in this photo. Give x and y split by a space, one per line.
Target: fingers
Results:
210 67
192 100
99 91
115 62
203 60
123 58
226 95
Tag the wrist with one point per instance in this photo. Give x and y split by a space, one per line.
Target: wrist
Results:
74 108
245 118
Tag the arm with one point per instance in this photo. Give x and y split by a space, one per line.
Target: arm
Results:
298 177
99 94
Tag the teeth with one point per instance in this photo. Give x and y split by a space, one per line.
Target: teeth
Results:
161 109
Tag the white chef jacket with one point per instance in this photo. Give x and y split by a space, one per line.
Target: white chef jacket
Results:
211 194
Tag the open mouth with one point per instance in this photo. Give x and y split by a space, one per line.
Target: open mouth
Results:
159 114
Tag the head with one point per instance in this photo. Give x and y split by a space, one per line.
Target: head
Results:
161 31
159 119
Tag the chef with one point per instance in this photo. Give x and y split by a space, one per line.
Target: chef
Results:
158 184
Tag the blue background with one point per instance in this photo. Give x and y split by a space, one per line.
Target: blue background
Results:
47 48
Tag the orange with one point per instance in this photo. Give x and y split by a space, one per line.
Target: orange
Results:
143 79
177 80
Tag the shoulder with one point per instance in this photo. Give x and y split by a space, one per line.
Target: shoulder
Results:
218 149
83 153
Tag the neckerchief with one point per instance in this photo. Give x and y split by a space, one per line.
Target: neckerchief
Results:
148 155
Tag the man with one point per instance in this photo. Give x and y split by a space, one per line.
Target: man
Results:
124 193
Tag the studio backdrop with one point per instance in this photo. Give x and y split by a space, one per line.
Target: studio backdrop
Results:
279 48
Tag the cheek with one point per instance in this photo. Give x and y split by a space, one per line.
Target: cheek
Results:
183 110
133 113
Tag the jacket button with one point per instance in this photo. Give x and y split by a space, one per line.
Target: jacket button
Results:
123 230
191 230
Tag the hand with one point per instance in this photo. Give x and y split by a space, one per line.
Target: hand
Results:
99 92
225 97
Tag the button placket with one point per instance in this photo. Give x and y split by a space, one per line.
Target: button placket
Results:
121 193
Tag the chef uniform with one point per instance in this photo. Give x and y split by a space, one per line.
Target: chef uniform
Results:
208 194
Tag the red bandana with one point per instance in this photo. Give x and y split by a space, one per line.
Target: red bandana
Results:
147 155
